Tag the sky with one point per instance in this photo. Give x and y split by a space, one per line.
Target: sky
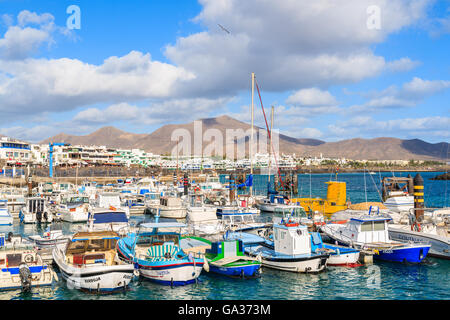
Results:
332 69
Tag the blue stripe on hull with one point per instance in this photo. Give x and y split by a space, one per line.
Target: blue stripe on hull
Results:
168 283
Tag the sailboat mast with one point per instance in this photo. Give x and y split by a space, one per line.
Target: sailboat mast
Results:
251 137
270 142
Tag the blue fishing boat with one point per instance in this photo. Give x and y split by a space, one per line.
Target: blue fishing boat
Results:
225 257
370 232
158 256
290 249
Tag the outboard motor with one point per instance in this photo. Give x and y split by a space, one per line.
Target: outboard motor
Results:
25 277
46 216
38 216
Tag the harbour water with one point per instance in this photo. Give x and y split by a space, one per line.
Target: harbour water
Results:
382 280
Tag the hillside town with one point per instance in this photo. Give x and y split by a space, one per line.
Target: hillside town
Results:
15 154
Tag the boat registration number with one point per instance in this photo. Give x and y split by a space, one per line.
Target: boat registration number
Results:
388 251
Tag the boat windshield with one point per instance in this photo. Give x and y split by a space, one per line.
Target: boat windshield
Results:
152 196
91 245
79 200
157 239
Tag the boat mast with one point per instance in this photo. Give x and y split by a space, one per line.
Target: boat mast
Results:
270 143
251 137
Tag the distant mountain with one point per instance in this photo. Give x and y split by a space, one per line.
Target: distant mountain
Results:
159 142
383 149
106 136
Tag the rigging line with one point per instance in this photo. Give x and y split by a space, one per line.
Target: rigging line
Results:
269 133
376 188
365 189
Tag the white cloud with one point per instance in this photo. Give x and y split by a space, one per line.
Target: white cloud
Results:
173 110
318 43
311 97
409 95
37 85
436 126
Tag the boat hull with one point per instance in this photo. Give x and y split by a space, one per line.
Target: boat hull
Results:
343 259
439 245
74 217
174 273
95 278
247 271
6 221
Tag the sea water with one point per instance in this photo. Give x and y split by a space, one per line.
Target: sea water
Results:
381 280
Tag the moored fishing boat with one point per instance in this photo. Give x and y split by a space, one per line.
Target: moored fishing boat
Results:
433 229
289 251
74 208
227 258
52 236
20 265
158 255
36 210
339 255
370 232
6 218
89 262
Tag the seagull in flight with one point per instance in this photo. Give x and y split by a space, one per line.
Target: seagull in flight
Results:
224 29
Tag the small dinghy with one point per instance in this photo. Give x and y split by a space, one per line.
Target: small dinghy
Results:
339 255
89 262
52 236
227 258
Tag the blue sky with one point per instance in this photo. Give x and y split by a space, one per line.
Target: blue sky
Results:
138 65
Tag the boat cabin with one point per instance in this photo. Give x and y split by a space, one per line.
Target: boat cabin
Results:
105 200
170 202
367 229
291 238
92 247
35 205
152 241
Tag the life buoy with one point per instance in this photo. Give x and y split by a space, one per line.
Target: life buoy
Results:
287 201
28 258
291 224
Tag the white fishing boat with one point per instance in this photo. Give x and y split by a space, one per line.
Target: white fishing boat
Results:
151 199
109 200
52 236
290 249
20 265
370 232
89 262
108 219
170 207
202 219
135 203
433 229
74 208
242 219
6 218
36 210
